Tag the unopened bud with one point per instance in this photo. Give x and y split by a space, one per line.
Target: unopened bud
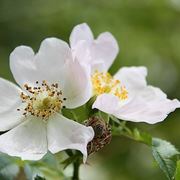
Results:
102 135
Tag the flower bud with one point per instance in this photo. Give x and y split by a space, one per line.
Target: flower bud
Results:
102 135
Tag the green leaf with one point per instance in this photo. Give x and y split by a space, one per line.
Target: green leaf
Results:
164 153
177 174
8 168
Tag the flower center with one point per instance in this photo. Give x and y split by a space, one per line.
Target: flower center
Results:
43 100
103 82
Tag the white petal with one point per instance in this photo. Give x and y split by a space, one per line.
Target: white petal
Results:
28 140
102 51
22 64
107 103
83 53
77 87
47 64
133 78
150 105
9 103
105 48
79 33
67 134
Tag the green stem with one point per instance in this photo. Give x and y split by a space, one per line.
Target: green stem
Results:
76 166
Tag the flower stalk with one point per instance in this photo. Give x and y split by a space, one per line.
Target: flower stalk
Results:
76 166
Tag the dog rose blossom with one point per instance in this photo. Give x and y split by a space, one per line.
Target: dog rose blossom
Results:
125 95
48 81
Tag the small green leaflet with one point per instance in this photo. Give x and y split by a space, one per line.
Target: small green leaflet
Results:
165 155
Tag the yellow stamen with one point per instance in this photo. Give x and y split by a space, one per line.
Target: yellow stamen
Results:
42 101
103 82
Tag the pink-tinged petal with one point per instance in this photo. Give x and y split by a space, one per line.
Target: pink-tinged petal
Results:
79 33
27 141
9 103
67 134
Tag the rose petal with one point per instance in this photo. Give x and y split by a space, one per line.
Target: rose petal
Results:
150 105
9 103
133 78
28 140
79 33
67 134
47 64
77 85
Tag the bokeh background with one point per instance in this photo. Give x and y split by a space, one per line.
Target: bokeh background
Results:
148 33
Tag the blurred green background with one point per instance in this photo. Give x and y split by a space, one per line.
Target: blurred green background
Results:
148 33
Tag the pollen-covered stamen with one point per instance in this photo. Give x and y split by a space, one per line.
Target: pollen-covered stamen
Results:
43 100
103 82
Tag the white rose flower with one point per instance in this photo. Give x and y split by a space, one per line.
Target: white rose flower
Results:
49 81
126 95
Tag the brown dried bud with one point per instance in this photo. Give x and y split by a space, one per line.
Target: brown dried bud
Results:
102 135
